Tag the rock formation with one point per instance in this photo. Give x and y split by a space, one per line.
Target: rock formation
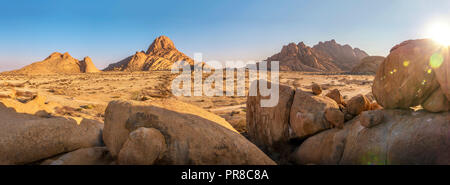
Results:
411 75
415 73
403 137
172 132
58 63
26 138
160 55
325 56
368 65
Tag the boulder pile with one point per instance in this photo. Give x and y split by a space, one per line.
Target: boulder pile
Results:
382 130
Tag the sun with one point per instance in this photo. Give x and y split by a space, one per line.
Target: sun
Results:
440 32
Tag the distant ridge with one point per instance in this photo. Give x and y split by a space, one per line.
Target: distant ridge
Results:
58 63
326 56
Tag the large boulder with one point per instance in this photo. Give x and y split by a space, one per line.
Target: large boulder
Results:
307 115
268 127
402 137
115 134
192 135
26 138
412 72
84 156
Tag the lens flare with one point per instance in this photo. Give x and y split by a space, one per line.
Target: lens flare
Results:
440 32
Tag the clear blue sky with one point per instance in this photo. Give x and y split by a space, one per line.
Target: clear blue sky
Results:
111 30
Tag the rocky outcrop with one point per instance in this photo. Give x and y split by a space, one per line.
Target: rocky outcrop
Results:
160 55
191 135
57 63
368 65
26 138
411 75
402 137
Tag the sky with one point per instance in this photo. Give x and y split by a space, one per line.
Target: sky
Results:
111 30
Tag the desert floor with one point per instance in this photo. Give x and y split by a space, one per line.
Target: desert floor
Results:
87 95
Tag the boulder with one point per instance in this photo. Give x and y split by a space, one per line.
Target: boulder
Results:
402 137
335 117
437 102
84 156
316 89
144 146
115 134
268 127
26 138
307 115
371 118
357 104
412 72
336 96
192 135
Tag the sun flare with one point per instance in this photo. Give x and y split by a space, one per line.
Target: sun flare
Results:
440 32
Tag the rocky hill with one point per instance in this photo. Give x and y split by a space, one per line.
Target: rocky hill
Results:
160 55
58 63
325 56
368 65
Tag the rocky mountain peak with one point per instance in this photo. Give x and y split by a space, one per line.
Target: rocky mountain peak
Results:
161 43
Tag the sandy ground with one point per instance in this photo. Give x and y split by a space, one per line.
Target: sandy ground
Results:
87 95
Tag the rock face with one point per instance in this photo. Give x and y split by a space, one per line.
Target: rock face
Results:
268 127
191 135
403 137
160 55
368 65
57 63
411 74
25 138
325 56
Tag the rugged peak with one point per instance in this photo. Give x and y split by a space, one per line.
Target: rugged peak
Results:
301 45
289 50
161 43
66 55
87 59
